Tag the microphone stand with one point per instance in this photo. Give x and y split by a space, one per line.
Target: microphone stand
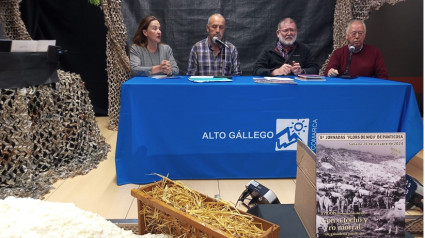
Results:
346 75
223 59
223 52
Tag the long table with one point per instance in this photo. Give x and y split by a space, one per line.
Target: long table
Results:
242 129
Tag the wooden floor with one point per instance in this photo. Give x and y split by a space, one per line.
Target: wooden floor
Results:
98 192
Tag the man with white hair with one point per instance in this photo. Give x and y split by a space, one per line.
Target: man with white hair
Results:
287 56
366 60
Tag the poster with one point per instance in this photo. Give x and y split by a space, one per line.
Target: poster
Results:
360 185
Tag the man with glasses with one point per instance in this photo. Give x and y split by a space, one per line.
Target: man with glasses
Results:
287 56
214 56
366 60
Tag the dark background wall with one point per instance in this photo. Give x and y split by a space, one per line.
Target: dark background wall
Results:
250 25
79 27
398 31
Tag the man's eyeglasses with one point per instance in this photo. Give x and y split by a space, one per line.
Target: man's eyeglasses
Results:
354 33
284 31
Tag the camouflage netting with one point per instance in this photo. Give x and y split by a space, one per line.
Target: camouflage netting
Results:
10 19
346 10
47 132
118 63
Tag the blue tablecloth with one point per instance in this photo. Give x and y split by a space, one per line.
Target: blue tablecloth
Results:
243 129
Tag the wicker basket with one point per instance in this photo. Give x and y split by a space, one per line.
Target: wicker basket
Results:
178 219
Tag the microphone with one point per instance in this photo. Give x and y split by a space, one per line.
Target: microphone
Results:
218 41
346 75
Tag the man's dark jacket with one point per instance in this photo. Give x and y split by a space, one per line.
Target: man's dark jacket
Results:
270 60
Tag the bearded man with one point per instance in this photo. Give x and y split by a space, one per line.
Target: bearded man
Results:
287 56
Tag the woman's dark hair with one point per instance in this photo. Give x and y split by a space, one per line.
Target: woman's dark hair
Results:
139 38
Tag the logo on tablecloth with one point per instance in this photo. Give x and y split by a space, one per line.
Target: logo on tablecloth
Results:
288 131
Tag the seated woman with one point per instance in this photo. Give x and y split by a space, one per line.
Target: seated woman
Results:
148 56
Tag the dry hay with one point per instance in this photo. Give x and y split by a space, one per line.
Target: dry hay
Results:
219 214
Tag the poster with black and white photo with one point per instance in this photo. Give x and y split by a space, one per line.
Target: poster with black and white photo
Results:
360 185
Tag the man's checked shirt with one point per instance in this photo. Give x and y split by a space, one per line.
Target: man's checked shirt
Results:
203 62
